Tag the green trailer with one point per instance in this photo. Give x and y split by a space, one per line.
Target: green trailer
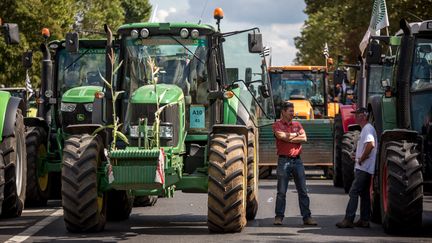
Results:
182 110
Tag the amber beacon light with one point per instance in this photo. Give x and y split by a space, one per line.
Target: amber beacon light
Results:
218 13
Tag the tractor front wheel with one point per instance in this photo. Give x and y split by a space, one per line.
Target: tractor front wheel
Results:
252 178
83 205
15 170
401 184
349 145
227 186
37 191
145 201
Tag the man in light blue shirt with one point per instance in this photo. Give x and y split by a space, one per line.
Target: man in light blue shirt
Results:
364 169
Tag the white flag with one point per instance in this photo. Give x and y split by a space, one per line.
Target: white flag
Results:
379 20
28 85
326 51
160 168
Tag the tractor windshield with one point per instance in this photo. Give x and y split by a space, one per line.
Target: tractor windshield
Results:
179 61
421 77
80 69
298 85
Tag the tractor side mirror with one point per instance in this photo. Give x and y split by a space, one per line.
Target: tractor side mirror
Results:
72 42
27 59
255 42
373 55
11 33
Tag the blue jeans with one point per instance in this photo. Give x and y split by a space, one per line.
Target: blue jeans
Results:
287 167
360 187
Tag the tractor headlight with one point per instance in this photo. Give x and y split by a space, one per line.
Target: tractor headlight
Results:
67 107
166 131
89 107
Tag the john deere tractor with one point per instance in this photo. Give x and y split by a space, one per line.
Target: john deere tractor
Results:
183 113
68 84
402 117
12 144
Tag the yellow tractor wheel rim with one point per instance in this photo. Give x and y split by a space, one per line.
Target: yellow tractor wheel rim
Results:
100 203
42 180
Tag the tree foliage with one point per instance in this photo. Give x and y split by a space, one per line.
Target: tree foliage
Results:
343 23
60 16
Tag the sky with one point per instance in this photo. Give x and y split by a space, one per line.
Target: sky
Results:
279 20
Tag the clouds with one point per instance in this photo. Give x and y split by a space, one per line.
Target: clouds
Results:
279 20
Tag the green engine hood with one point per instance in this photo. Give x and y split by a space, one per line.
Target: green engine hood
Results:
83 94
167 93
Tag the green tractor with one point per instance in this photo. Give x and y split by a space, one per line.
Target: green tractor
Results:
68 85
403 117
188 98
12 144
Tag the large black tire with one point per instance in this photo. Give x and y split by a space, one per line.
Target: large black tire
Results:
401 186
15 160
337 151
83 205
38 189
252 178
145 201
349 146
119 205
227 183
2 180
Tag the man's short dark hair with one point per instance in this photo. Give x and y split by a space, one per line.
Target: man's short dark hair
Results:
287 104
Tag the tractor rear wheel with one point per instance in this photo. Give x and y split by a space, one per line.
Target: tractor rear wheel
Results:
349 146
252 178
145 201
265 172
37 191
83 205
15 170
119 205
401 187
227 184
337 150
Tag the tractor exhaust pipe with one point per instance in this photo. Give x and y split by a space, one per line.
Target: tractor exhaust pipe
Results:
46 84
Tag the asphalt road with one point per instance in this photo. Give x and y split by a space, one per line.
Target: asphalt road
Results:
183 219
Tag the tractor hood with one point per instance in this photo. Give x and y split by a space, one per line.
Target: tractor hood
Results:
302 109
166 93
83 94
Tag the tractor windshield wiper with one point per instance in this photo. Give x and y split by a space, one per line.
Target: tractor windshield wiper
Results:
185 47
76 59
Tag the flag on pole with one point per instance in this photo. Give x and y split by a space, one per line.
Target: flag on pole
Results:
28 85
379 20
326 51
265 52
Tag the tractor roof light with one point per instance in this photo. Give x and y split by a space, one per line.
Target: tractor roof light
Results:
144 33
194 34
46 33
218 13
228 94
134 33
184 33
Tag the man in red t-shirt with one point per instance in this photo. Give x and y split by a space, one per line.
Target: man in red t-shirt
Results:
289 137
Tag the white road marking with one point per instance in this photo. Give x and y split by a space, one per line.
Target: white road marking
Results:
35 228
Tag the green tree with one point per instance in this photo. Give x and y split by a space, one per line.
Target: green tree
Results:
136 10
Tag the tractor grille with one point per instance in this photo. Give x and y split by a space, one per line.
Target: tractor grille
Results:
170 114
71 118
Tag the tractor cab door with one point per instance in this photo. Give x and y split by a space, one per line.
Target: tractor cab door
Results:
246 73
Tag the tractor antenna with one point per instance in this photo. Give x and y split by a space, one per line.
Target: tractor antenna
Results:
202 12
415 16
